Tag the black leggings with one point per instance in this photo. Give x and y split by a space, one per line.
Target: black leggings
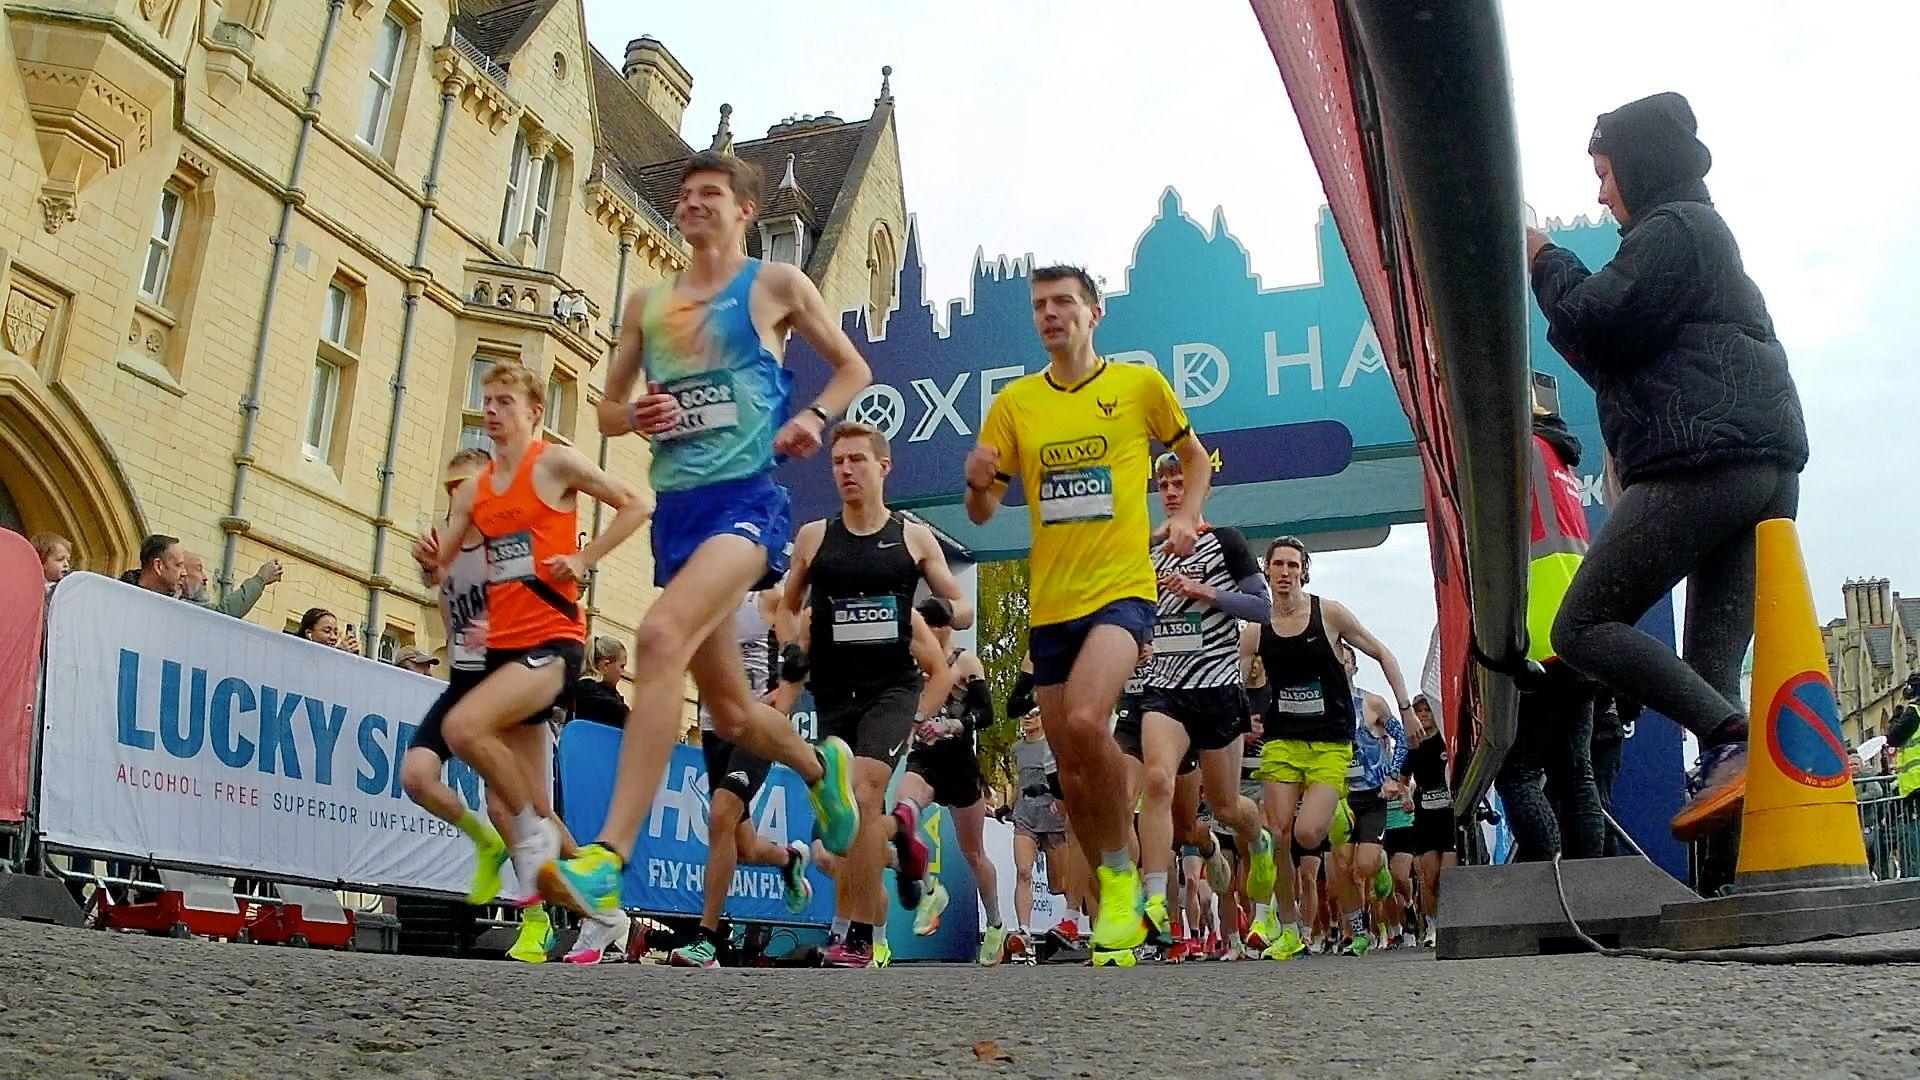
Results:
1546 785
1697 527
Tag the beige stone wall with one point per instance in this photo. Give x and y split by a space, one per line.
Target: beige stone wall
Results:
879 197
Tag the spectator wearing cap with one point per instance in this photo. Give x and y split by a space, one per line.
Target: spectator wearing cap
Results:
416 661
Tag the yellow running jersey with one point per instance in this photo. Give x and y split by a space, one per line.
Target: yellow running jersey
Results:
1083 456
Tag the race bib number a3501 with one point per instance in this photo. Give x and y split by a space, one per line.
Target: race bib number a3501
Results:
707 404
866 620
510 558
1070 495
1177 634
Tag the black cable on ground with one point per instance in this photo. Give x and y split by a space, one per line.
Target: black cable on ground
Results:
1803 955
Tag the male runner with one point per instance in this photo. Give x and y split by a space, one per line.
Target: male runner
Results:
877 675
1436 837
1194 700
943 768
734 777
1077 434
1379 751
523 503
716 407
1310 723
1401 849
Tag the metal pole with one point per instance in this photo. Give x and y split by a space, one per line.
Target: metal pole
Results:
235 522
613 331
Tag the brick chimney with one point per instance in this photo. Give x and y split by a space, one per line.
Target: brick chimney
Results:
658 78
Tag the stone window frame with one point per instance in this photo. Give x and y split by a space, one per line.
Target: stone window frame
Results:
342 356
773 230
473 431
531 207
386 139
883 274
163 238
162 321
557 425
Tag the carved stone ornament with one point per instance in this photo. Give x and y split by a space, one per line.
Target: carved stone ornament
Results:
27 320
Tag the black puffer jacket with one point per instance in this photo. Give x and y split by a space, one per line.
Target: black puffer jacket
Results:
1672 335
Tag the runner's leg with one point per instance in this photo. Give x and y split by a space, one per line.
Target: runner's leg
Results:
478 724
1026 851
1163 742
1075 715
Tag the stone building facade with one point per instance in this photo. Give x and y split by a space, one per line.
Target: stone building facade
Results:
1870 652
254 252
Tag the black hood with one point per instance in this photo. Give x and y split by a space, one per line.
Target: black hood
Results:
1553 429
1656 155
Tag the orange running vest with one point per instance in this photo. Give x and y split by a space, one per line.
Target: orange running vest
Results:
526 607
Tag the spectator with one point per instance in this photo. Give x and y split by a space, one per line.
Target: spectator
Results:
56 556
320 625
598 698
1702 418
162 566
420 663
237 602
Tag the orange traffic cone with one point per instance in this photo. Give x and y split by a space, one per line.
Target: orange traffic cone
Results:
1800 826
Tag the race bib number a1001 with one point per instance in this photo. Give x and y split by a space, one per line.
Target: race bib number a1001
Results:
1070 495
866 620
707 404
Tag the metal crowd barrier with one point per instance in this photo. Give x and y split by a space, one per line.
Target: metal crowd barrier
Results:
1891 827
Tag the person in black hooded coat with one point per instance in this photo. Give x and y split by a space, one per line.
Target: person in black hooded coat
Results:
1704 426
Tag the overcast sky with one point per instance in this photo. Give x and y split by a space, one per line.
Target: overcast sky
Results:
1051 129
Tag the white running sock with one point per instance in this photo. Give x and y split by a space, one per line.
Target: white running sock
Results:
1156 886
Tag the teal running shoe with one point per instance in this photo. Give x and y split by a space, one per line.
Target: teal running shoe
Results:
836 816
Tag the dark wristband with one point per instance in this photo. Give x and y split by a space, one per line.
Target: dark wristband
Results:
816 410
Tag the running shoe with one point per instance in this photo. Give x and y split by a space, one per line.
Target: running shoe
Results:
910 856
1018 945
1426 939
882 955
1121 922
698 953
1285 947
1067 929
799 891
1342 829
536 936
598 933
993 946
926 918
1716 788
836 816
1383 882
847 954
1261 875
1219 870
587 883
1114 958
1158 922
1357 945
1234 951
1408 941
489 855
540 846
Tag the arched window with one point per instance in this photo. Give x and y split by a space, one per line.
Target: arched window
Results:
883 270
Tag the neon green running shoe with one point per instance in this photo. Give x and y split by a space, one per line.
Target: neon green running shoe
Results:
993 946
489 855
1159 923
586 883
1121 922
933 901
1261 873
1357 945
1342 830
536 936
882 953
1383 882
1114 958
836 816
1287 946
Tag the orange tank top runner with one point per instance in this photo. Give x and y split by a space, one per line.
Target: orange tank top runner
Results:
526 608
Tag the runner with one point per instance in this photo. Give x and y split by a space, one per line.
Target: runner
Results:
734 777
1436 837
1077 435
1402 847
1380 750
876 670
1194 701
523 503
710 341
1310 724
944 768
1038 827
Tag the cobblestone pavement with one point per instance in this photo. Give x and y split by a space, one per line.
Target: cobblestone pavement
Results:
76 1002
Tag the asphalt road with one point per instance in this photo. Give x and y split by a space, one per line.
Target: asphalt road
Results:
78 1002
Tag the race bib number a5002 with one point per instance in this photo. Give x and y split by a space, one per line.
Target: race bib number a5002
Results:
1070 495
707 404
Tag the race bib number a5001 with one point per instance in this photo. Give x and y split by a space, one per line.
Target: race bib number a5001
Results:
707 404
866 620
1070 495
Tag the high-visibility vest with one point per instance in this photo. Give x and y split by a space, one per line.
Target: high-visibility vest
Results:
1559 543
1906 766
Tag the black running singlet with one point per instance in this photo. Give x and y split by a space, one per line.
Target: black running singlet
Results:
862 626
1312 698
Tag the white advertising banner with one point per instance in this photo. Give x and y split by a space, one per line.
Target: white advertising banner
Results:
175 733
1048 908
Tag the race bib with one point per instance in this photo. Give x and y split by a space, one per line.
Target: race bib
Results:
707 404
866 620
1070 495
1304 700
1177 634
1439 799
510 558
1356 772
1136 683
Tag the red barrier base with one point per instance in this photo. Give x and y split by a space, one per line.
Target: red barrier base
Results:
285 924
170 915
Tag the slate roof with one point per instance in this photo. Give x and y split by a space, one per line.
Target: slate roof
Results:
632 137
1909 608
1880 646
499 27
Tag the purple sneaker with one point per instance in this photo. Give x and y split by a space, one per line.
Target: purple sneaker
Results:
846 954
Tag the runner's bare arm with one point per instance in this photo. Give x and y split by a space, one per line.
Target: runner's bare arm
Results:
806 547
631 508
615 411
933 665
1249 651
932 559
437 549
807 314
992 464
1346 628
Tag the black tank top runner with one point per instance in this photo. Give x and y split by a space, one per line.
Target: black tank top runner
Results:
862 625
1312 698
